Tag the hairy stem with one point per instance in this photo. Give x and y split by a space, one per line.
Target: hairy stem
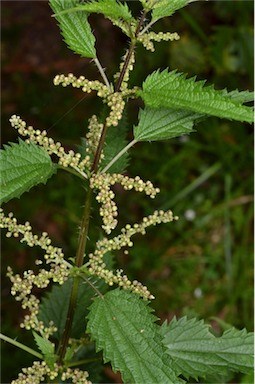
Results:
75 285
99 149
131 49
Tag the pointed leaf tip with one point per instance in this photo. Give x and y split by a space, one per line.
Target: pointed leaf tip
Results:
196 352
75 27
172 90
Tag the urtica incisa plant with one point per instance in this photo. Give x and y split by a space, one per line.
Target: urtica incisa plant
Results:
106 308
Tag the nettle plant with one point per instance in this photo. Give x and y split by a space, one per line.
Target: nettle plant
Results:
91 306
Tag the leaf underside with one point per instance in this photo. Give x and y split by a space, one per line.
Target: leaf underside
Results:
74 27
172 90
164 123
196 352
123 327
23 166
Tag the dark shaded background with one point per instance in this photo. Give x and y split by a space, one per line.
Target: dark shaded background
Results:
202 265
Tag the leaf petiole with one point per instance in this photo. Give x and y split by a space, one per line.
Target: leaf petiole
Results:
21 346
121 153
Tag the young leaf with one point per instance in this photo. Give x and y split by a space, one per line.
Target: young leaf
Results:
23 166
109 8
47 348
172 90
123 327
75 27
163 124
197 352
163 8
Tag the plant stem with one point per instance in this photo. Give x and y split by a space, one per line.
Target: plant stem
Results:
121 153
75 286
117 88
21 346
131 49
99 148
86 213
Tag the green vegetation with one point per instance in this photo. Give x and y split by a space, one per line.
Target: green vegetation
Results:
199 266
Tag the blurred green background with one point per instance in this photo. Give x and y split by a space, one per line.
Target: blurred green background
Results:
203 264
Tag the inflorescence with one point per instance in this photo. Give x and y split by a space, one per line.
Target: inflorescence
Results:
69 159
113 99
40 371
147 38
103 183
96 263
22 286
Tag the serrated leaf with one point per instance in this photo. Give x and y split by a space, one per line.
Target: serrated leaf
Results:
123 327
47 348
167 123
163 8
197 352
241 97
23 166
114 143
75 27
172 90
163 124
109 8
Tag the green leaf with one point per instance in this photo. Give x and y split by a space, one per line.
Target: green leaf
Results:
163 8
23 166
114 143
167 123
241 97
163 124
47 348
123 327
109 8
172 90
197 352
75 27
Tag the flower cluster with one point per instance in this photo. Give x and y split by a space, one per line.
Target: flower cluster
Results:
105 196
40 371
93 136
22 286
81 82
116 103
77 376
36 374
146 38
70 159
96 263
